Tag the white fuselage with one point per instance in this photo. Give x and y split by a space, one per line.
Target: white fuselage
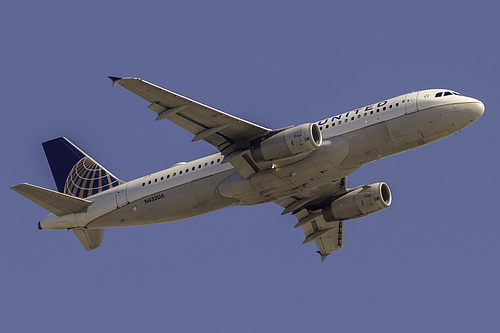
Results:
350 140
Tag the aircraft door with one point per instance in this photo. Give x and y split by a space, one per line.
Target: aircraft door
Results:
121 195
411 102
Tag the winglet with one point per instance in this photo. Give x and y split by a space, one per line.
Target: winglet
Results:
115 79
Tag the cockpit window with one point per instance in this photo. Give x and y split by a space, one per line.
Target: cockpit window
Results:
447 93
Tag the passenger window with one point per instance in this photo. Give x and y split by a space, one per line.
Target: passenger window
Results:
143 184
326 126
218 160
162 178
168 176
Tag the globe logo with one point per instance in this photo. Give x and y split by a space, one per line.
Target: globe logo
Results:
88 178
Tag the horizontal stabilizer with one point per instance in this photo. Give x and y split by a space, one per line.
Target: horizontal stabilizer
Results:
90 238
55 202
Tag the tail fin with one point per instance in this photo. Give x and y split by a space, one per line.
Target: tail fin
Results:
76 173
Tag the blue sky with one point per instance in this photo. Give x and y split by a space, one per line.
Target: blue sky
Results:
427 263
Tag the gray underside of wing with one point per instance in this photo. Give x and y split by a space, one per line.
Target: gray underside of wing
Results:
229 134
328 236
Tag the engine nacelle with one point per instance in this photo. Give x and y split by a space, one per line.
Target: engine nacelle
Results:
361 201
288 143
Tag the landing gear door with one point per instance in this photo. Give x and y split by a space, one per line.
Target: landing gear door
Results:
411 102
121 195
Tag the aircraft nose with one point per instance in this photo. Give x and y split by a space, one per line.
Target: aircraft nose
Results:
476 110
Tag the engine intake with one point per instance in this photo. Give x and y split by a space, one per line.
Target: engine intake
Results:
360 201
288 143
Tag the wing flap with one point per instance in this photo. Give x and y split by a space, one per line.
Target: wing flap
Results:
328 236
331 241
192 115
55 202
229 134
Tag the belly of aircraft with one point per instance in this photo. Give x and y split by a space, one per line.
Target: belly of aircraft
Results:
178 203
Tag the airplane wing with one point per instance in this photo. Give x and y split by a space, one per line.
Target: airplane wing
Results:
328 236
230 135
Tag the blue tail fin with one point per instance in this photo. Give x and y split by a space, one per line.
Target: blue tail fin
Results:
76 173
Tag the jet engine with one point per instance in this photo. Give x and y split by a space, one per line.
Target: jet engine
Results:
358 202
288 143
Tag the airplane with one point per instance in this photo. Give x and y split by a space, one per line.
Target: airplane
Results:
302 168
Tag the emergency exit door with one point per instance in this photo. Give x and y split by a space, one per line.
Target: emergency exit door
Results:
411 102
121 195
